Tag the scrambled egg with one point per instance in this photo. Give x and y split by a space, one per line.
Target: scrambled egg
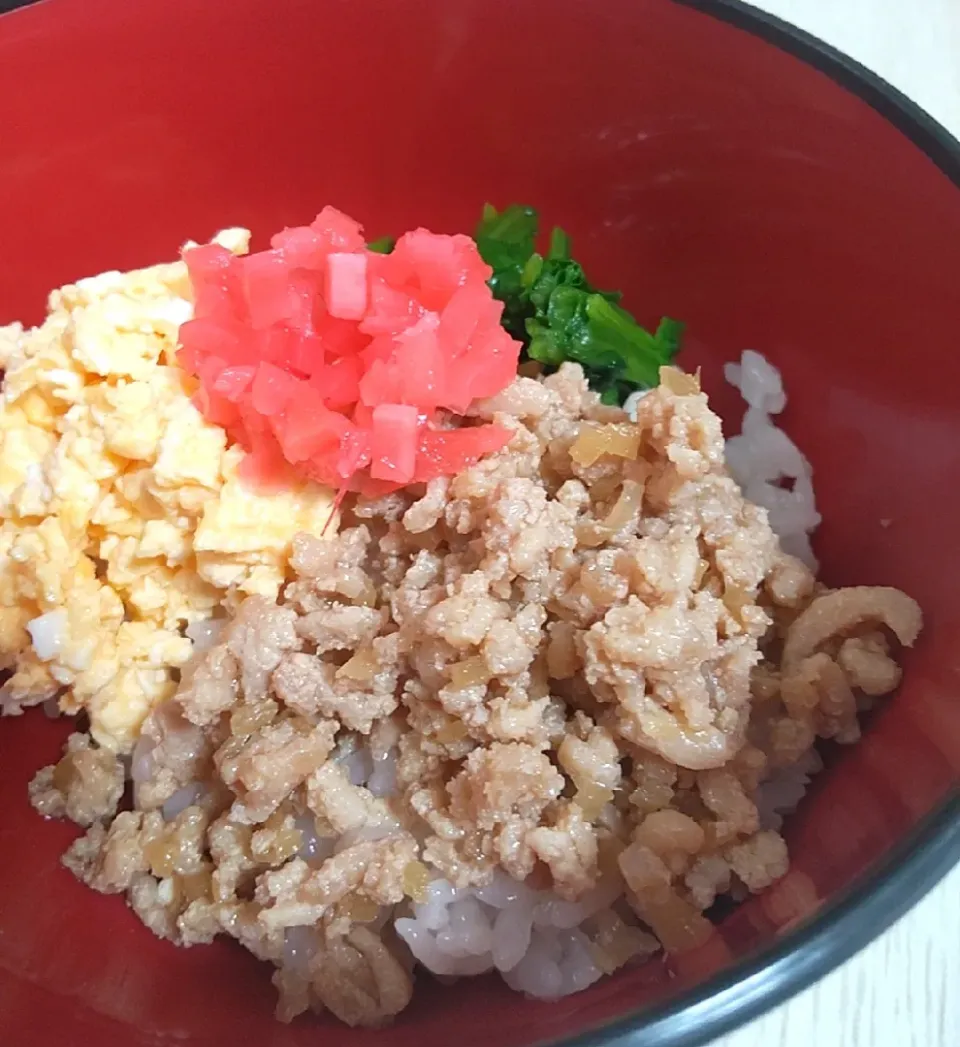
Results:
122 515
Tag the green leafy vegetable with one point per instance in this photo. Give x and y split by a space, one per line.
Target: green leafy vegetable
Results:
384 245
551 307
558 315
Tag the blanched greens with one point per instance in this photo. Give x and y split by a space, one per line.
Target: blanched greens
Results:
552 308
382 246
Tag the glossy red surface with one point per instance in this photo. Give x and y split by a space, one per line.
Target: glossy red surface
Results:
713 176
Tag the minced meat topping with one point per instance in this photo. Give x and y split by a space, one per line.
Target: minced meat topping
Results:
574 663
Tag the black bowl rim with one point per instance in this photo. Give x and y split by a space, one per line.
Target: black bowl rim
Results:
879 897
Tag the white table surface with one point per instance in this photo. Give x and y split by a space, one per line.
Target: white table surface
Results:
904 990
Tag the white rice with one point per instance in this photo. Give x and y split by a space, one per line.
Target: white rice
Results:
773 472
205 633
299 945
780 795
355 760
766 463
630 404
314 849
532 938
183 798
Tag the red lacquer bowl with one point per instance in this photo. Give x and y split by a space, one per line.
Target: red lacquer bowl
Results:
719 166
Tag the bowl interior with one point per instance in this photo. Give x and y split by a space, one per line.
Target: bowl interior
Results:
709 174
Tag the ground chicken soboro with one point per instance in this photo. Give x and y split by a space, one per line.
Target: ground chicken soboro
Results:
579 660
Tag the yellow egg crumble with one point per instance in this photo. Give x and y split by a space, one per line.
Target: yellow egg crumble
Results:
122 515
